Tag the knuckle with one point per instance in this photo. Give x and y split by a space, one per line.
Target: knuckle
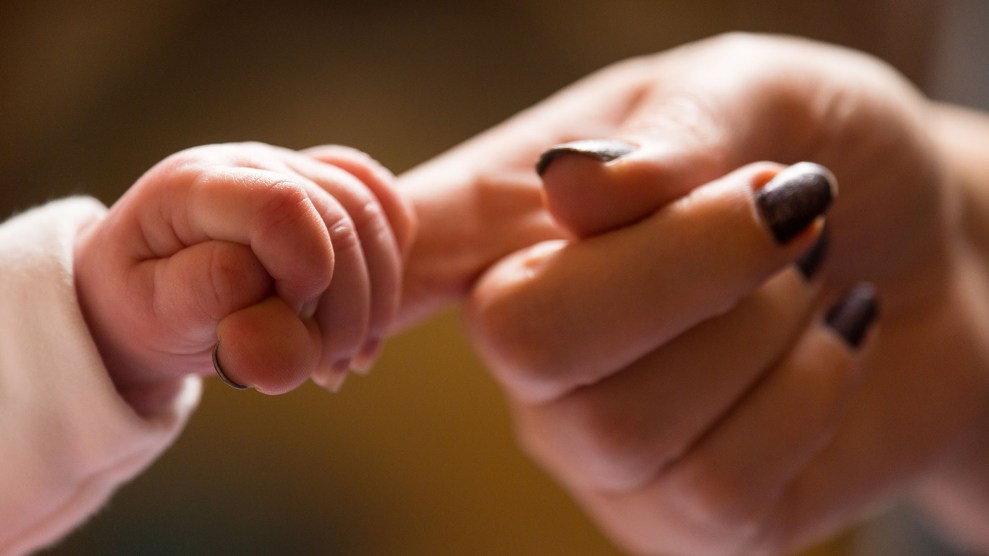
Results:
607 442
716 502
192 155
513 337
205 157
344 236
369 220
188 168
775 534
693 114
285 203
736 42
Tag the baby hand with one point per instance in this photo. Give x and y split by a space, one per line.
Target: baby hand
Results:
288 263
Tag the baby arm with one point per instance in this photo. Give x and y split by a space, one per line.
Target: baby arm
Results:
293 260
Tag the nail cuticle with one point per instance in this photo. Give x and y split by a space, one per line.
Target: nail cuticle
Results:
600 149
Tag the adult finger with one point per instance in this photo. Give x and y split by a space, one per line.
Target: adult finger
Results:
719 495
559 315
617 434
718 104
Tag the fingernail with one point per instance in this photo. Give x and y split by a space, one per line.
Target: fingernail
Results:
220 373
810 262
852 316
795 198
341 366
601 149
366 357
333 381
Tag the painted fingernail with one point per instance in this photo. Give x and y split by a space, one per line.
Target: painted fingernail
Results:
795 198
851 317
365 358
810 262
601 149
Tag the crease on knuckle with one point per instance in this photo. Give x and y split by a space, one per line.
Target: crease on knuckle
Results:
289 210
344 236
286 204
715 503
608 442
371 222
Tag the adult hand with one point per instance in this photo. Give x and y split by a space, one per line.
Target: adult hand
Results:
666 366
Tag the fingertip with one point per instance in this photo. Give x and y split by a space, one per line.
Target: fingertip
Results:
267 347
854 315
786 218
794 198
333 154
366 357
221 374
331 379
593 186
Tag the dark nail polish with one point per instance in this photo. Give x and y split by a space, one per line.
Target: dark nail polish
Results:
810 262
794 198
601 149
852 316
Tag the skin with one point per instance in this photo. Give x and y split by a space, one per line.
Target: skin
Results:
676 379
291 260
674 375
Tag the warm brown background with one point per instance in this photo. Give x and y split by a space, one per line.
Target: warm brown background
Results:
418 458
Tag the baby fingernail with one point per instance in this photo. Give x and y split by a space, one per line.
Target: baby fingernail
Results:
333 381
810 262
366 357
601 149
851 317
793 199
341 366
223 375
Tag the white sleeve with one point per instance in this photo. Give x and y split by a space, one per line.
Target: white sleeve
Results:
67 439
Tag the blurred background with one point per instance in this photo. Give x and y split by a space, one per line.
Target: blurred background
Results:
417 458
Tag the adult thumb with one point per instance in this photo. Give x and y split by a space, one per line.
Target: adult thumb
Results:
591 186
